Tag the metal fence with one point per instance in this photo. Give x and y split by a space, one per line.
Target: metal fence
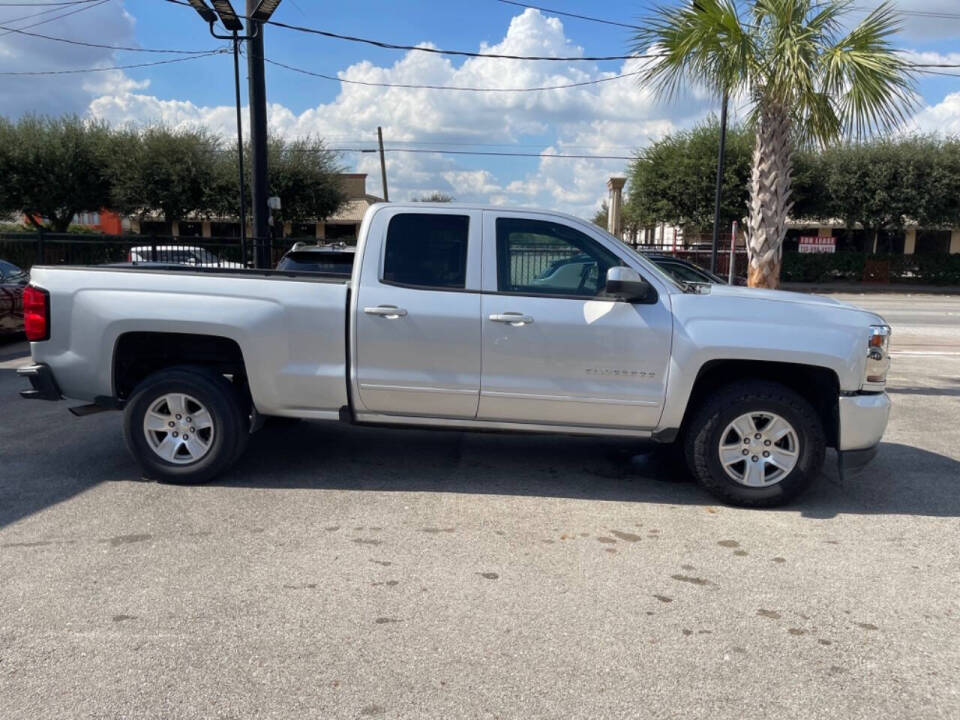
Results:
43 248
700 253
529 263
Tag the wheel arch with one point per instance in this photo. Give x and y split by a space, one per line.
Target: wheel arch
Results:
137 355
819 385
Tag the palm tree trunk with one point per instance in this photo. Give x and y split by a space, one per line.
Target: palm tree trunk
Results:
769 202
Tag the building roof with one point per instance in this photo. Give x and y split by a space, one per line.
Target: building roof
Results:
352 210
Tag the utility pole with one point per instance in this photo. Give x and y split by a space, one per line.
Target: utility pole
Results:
383 165
258 138
716 208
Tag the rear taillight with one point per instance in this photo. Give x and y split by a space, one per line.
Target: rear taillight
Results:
36 313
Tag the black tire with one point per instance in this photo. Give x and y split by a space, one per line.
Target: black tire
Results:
230 431
702 442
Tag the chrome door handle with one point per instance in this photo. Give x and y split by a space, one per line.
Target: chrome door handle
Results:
512 318
391 312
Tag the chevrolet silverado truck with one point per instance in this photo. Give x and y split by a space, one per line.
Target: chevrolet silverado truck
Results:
449 320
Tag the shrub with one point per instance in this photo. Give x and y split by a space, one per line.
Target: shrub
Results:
936 269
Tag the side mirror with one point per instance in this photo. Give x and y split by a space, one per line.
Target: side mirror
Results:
626 284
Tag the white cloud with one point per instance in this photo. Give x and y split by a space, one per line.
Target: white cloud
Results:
70 93
933 23
943 118
611 118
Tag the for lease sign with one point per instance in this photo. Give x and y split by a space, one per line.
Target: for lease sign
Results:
817 244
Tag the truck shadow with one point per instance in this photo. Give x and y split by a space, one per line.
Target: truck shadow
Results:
901 480
47 457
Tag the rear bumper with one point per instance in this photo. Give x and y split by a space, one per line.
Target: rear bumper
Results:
43 384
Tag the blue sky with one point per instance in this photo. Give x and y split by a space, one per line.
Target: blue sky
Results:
614 118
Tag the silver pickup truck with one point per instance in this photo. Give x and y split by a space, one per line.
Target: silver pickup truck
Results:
479 318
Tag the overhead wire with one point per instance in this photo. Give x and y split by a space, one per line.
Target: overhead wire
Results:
570 14
480 152
34 73
460 88
80 9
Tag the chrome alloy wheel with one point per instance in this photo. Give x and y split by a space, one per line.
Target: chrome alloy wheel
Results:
759 449
178 428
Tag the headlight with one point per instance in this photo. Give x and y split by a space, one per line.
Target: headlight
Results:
878 355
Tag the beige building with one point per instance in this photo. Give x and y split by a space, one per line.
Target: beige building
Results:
344 225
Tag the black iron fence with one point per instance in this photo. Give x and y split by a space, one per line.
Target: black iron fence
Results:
43 248
529 263
700 253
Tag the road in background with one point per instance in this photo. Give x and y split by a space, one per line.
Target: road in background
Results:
349 572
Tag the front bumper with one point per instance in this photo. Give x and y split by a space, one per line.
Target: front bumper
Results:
44 385
863 418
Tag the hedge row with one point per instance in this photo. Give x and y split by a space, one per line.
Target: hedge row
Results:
937 269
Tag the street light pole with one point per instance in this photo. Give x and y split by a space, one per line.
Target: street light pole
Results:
235 38
716 207
243 193
258 12
258 136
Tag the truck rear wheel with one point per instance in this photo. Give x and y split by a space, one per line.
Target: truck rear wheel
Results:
755 443
185 425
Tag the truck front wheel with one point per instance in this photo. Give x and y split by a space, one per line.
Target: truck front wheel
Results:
755 443
185 425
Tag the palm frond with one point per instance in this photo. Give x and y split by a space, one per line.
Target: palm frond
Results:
704 42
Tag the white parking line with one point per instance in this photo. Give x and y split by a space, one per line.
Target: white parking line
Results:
946 353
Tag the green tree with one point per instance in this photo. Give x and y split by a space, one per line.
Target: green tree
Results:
602 216
164 170
885 183
303 173
54 169
436 196
673 180
9 202
805 79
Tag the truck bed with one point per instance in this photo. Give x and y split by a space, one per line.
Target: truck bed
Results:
290 327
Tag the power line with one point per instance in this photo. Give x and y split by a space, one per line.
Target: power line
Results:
478 152
570 14
438 51
448 87
43 4
38 14
435 51
100 45
348 140
113 67
917 13
55 17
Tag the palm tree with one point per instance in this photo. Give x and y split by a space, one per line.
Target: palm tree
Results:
804 80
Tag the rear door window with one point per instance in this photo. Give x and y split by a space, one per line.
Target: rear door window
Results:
426 250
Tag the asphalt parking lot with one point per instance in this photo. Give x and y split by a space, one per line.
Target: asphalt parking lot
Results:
341 572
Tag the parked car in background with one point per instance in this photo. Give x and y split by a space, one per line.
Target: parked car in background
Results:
447 321
179 255
12 282
333 258
687 271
